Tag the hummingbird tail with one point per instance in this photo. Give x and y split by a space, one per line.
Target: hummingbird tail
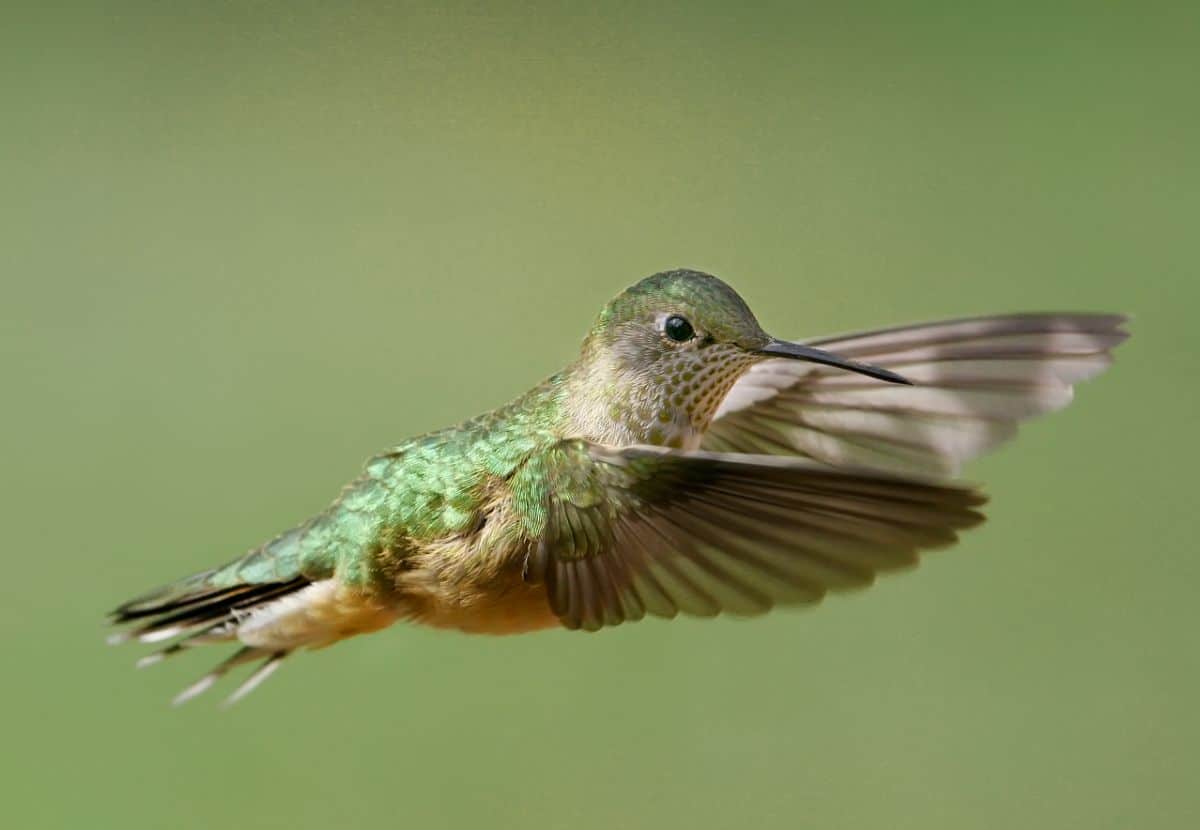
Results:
194 612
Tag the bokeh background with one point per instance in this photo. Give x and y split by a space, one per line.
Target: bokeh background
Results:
244 245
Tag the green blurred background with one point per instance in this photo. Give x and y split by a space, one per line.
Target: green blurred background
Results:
245 245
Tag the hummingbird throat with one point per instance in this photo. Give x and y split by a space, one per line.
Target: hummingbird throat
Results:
668 404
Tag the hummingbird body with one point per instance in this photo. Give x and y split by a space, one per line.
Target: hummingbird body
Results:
429 532
686 462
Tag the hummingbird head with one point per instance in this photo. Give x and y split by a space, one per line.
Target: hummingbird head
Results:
664 353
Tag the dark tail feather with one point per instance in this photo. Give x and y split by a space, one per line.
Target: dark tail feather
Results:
203 608
198 613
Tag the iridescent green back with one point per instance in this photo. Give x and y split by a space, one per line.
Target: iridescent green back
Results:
427 488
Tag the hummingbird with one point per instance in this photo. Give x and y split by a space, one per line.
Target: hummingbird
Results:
686 463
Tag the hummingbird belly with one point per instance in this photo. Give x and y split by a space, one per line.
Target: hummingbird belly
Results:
501 603
326 612
474 582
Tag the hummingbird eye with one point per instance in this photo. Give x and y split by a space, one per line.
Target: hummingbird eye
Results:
678 329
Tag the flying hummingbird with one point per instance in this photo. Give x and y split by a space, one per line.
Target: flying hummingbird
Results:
685 463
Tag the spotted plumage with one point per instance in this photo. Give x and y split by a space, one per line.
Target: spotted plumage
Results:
685 463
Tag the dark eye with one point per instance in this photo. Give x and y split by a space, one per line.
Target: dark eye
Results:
678 329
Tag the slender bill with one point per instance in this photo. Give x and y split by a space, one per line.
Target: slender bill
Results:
798 351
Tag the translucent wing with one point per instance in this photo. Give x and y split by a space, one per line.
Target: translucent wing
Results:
643 530
974 381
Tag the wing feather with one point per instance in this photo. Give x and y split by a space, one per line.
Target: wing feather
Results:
974 381
642 530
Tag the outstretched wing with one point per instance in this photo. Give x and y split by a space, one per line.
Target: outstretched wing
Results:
622 533
974 381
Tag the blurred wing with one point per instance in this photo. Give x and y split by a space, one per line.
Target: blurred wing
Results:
974 381
644 530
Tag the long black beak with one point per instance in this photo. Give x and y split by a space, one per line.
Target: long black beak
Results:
797 351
